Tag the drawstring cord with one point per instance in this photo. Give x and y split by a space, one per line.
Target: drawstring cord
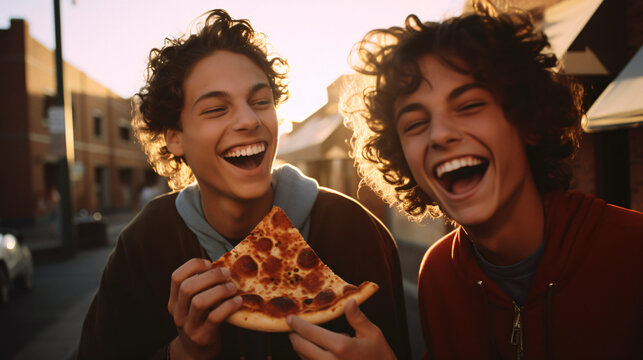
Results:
548 328
495 351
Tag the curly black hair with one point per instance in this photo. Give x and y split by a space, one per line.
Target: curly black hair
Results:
505 52
157 106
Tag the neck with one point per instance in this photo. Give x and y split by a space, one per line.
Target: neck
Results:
234 218
514 232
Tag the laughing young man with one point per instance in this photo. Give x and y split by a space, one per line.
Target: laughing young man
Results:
207 113
470 119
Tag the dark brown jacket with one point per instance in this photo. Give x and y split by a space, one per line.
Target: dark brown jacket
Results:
128 318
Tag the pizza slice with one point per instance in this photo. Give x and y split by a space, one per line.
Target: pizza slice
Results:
278 274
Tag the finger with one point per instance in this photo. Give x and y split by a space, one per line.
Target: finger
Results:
306 349
190 268
323 338
195 285
205 301
356 318
221 312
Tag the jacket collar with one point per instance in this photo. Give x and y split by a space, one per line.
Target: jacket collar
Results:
570 220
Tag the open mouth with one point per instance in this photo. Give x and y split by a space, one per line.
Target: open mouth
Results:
460 175
246 157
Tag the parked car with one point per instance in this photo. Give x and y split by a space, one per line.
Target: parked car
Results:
16 265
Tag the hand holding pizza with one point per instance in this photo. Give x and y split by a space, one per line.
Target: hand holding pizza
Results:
200 300
314 342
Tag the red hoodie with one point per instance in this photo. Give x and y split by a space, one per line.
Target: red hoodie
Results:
585 301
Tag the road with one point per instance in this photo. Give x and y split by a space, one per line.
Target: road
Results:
46 322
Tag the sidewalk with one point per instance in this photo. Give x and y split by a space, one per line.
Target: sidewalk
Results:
59 340
45 248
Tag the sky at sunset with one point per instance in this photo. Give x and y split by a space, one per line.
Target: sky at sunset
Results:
110 40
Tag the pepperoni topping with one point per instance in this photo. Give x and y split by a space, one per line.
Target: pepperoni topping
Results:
324 298
312 282
307 259
280 220
272 266
281 306
264 244
245 266
252 300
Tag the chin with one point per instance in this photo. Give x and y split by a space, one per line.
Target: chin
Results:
253 192
470 217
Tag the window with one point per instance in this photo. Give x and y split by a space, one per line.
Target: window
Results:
49 101
124 130
97 119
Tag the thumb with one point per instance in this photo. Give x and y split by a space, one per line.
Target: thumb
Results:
356 318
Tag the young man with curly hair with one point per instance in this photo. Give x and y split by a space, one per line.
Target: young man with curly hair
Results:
207 113
470 118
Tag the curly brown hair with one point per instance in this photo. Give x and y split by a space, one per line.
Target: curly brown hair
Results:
157 106
504 51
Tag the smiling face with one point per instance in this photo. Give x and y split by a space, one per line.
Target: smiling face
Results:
461 149
229 128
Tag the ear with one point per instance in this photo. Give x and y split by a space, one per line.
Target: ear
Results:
173 140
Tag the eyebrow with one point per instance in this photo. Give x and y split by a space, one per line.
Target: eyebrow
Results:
464 88
452 96
223 94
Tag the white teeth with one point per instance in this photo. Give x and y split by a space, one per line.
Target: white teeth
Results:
456 164
246 150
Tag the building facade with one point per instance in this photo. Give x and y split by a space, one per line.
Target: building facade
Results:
109 167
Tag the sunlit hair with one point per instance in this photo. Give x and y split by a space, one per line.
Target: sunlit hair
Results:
157 106
505 52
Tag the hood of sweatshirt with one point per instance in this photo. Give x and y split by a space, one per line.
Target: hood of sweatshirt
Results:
570 219
294 192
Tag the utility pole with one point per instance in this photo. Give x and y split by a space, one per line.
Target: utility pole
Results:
63 101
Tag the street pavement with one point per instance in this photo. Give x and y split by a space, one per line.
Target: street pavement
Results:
46 322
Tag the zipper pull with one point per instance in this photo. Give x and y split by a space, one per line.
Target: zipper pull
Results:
516 333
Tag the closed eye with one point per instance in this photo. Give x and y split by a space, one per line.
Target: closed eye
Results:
262 102
472 106
213 111
414 125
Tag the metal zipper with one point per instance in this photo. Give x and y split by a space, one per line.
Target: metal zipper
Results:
516 333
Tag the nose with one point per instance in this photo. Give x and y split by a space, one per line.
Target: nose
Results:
444 131
246 120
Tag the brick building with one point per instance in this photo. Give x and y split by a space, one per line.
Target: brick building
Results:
109 167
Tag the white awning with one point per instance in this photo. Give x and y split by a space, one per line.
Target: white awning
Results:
621 103
563 22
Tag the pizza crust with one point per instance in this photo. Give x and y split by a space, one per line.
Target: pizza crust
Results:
260 322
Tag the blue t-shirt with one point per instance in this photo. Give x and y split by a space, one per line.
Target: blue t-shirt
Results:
514 279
